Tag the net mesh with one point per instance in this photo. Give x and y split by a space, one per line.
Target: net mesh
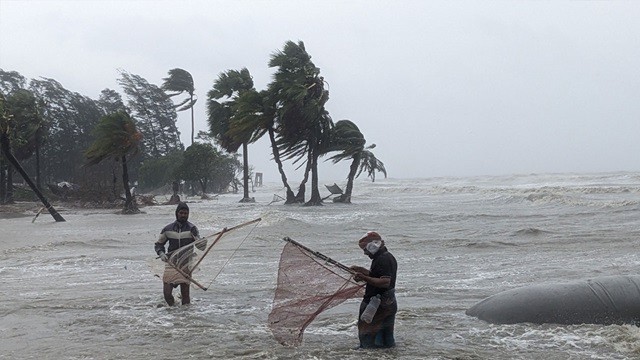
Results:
181 266
200 262
306 287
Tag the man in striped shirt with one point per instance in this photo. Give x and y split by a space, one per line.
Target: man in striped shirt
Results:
177 234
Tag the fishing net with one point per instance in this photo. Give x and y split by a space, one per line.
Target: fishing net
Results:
182 264
307 286
200 262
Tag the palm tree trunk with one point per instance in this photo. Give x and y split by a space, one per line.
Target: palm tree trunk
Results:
4 144
38 176
315 199
3 180
114 182
303 184
130 206
192 119
291 198
9 195
346 197
245 171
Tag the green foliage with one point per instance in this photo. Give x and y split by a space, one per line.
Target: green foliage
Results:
26 123
227 122
155 115
231 83
155 173
203 163
371 164
110 102
69 119
304 125
116 135
345 138
11 81
4 116
222 108
180 81
60 124
219 124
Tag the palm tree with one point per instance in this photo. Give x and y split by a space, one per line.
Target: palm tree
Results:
116 137
346 138
304 124
256 115
22 106
181 81
6 124
231 85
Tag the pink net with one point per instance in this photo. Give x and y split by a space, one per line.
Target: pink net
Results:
306 287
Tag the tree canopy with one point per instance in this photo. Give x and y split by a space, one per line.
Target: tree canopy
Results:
116 137
65 128
180 81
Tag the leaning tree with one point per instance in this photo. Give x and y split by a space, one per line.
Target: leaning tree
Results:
347 139
255 116
6 125
116 137
304 123
223 119
180 81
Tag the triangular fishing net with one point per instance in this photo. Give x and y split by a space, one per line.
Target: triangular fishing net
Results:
200 262
181 265
307 285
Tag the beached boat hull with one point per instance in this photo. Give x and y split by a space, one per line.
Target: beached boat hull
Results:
603 300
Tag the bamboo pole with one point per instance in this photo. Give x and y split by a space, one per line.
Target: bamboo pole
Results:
187 276
219 235
222 232
321 256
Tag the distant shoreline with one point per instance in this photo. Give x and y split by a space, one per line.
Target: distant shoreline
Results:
30 208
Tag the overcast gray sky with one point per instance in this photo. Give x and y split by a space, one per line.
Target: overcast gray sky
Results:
444 88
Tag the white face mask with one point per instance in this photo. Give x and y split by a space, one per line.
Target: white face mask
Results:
373 246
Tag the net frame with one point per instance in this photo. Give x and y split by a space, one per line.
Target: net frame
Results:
185 261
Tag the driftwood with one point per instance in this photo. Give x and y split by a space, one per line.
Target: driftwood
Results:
146 200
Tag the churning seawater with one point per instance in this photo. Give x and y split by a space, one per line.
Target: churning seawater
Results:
83 289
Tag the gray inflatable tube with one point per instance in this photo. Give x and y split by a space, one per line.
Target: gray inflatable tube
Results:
603 300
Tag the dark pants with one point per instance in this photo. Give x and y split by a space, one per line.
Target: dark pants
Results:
378 334
168 293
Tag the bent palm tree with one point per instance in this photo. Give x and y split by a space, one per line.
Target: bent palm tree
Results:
371 164
223 120
304 124
256 115
116 137
181 81
5 119
347 138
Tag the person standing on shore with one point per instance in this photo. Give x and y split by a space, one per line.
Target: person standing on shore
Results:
178 234
377 332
